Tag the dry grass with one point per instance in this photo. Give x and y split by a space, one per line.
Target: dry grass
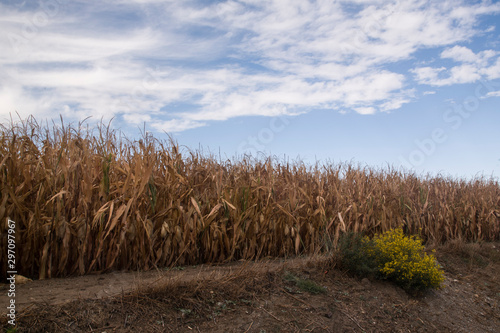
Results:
170 306
87 200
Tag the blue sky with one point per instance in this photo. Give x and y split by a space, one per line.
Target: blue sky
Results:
413 84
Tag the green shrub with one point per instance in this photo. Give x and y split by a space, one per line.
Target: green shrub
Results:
353 249
393 256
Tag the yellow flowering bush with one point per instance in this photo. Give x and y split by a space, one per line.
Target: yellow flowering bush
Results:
402 259
392 256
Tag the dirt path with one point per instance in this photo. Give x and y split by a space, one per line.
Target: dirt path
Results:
62 290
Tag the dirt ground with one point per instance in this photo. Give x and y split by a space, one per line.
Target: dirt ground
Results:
297 295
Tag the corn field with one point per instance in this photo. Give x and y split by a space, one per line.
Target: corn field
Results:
87 200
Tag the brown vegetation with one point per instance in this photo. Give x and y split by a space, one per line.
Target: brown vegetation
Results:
87 200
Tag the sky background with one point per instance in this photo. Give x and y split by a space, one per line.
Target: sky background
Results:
412 84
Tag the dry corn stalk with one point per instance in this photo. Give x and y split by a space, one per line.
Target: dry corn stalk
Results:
87 201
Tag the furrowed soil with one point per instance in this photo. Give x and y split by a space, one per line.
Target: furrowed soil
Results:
296 295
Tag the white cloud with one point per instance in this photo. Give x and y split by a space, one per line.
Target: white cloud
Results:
176 125
182 64
459 53
397 101
464 74
471 68
365 110
492 72
15 101
465 55
493 94
428 75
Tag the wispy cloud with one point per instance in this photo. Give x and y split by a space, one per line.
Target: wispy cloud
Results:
493 94
183 64
471 67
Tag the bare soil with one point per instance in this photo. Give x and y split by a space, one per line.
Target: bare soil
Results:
297 295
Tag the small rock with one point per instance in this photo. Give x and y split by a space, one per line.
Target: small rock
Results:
22 279
366 283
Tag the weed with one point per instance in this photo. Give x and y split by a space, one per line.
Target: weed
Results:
352 249
304 284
